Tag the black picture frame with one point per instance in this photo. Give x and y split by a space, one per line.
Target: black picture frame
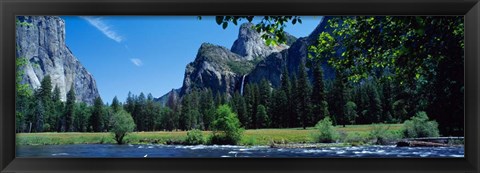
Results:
10 8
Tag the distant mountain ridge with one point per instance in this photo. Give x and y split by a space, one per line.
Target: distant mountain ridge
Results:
42 43
222 70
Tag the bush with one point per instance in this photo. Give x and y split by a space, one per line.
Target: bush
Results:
226 127
356 139
326 132
194 137
380 134
122 124
418 126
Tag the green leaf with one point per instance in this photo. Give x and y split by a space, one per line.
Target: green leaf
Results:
250 18
225 24
219 19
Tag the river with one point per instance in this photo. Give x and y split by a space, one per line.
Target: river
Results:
202 151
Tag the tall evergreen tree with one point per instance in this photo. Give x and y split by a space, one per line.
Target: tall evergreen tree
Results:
58 109
82 115
238 105
130 103
97 113
170 113
293 113
115 104
70 109
185 110
279 110
303 91
207 108
340 97
286 107
374 104
261 117
251 99
38 116
318 95
387 101
45 94
264 90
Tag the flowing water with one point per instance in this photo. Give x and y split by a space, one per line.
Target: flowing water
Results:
202 151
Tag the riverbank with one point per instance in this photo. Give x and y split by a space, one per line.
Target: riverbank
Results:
351 134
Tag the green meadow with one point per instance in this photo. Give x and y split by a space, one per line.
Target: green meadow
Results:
350 134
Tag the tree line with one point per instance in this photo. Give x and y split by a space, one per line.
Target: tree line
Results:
297 102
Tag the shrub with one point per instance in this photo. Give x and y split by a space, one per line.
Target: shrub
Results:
379 133
122 124
326 133
226 127
356 139
194 137
418 126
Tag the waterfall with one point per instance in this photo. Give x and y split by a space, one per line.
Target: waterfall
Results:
241 86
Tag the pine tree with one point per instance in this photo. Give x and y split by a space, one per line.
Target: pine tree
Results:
38 116
250 100
279 113
264 92
237 103
70 109
58 109
207 108
387 101
340 97
374 105
45 94
187 109
130 103
261 116
97 113
303 97
318 95
285 107
139 112
82 114
293 104
115 104
150 113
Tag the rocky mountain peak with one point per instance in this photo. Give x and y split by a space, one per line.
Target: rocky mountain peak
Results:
250 44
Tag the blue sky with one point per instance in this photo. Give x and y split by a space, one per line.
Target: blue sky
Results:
148 54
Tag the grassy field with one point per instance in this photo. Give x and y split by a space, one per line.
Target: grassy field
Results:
350 133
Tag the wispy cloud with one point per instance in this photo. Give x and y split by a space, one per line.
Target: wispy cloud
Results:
137 62
106 29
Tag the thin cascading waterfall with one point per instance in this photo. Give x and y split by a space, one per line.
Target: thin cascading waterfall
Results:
241 86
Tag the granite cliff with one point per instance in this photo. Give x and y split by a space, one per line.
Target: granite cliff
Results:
41 40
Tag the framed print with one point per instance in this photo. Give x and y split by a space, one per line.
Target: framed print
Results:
188 86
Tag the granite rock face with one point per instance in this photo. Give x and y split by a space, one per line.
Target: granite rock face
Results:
42 43
250 44
211 69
